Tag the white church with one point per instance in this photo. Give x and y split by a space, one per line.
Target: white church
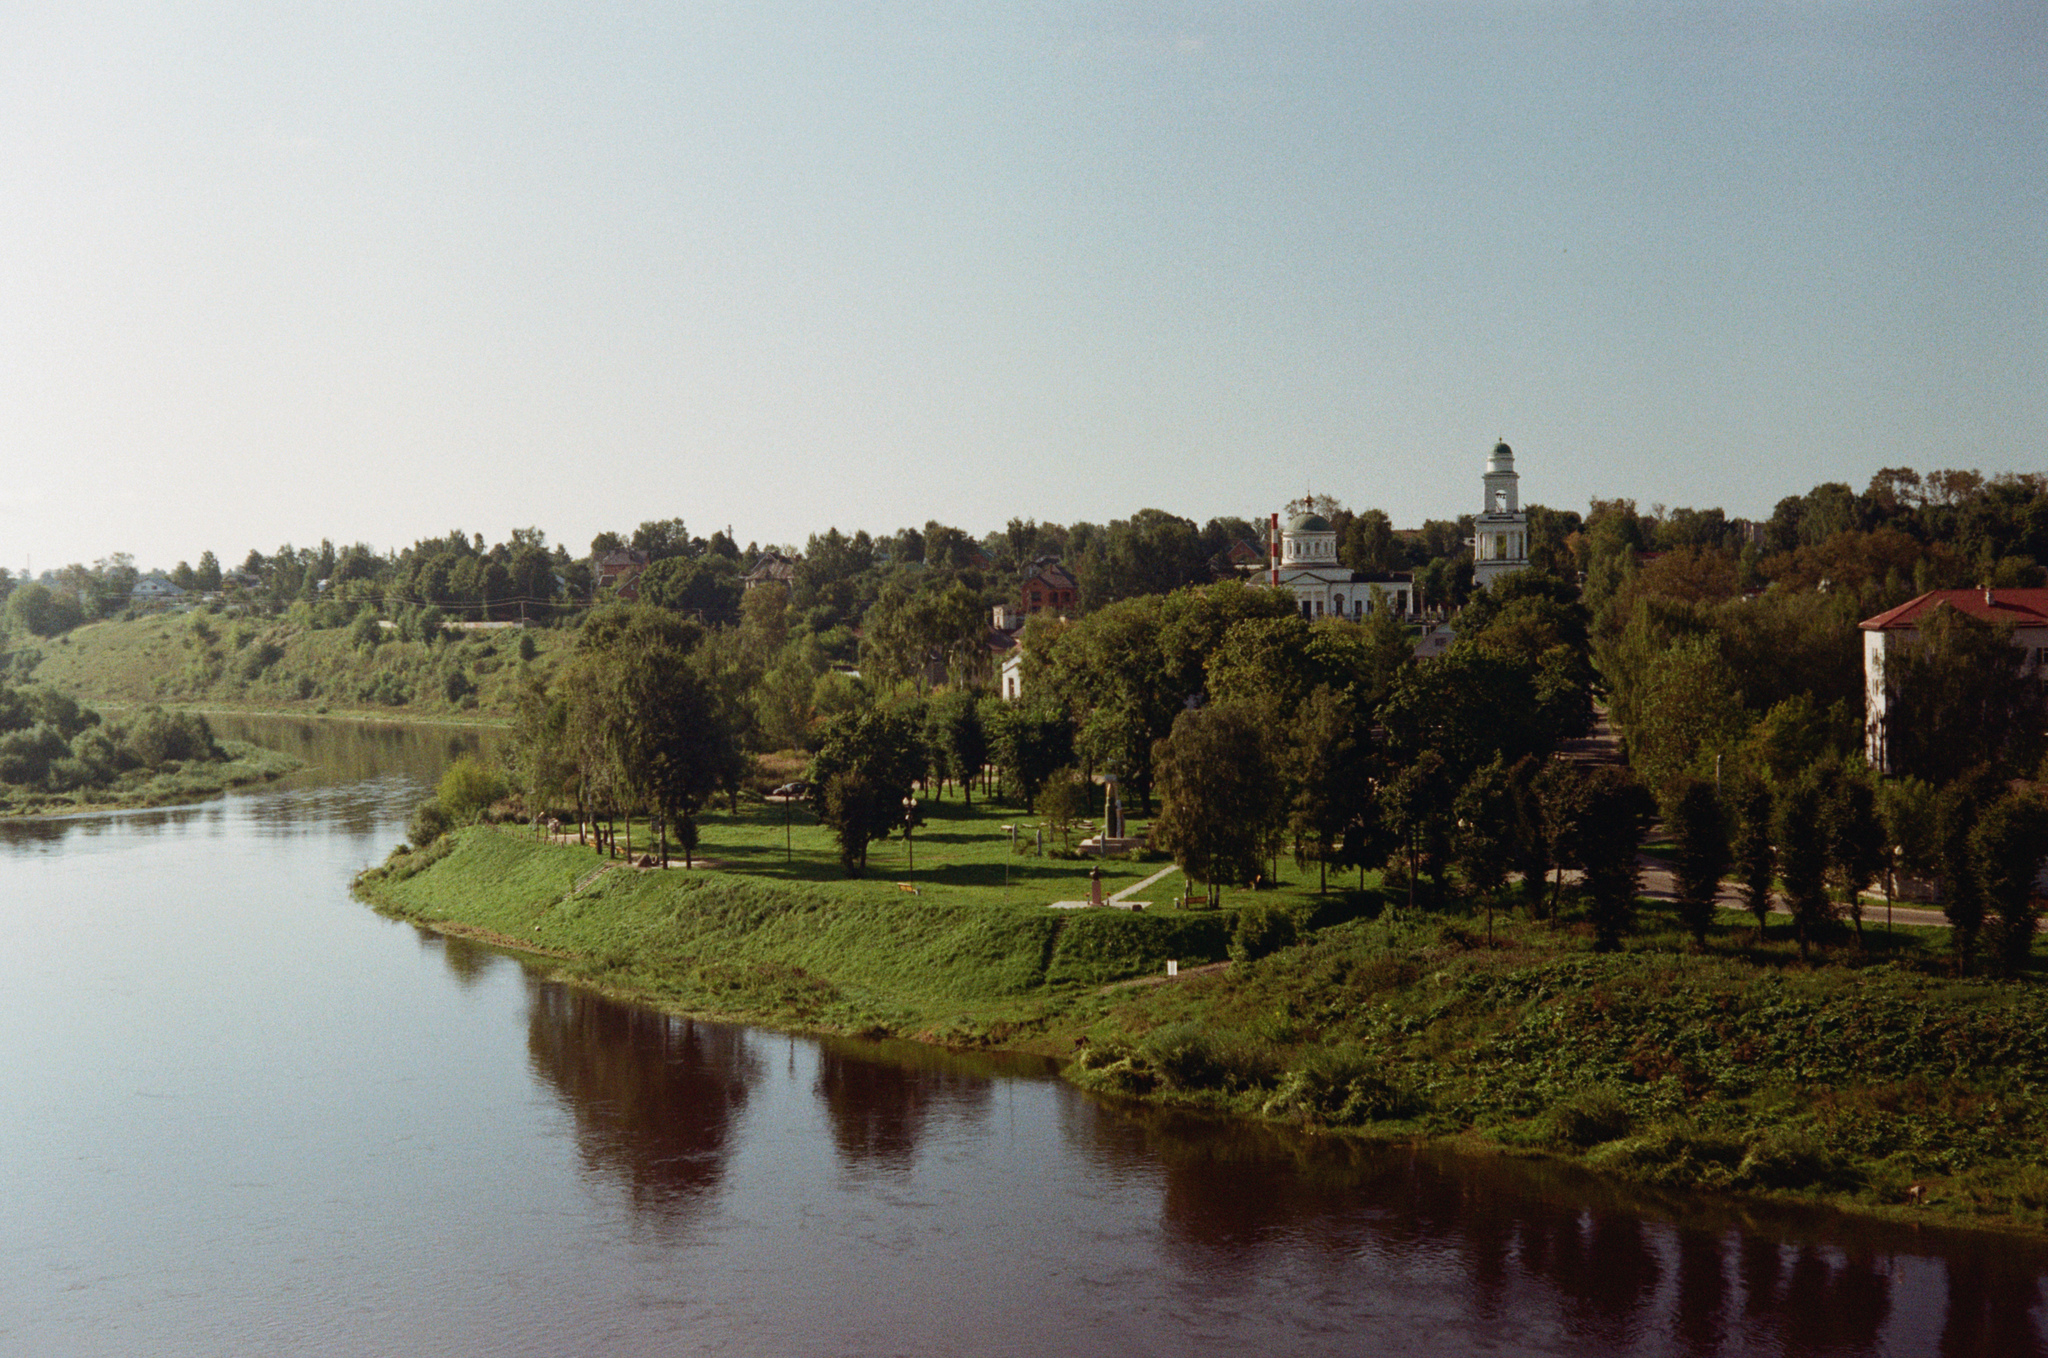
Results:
1304 559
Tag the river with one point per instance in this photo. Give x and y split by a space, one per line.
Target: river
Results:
247 1115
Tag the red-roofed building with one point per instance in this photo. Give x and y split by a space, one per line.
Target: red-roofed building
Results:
1049 585
619 571
2023 610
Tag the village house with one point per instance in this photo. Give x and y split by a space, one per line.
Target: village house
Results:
1884 636
1047 584
771 567
155 589
619 571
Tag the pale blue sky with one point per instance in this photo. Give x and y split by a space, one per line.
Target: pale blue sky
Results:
271 272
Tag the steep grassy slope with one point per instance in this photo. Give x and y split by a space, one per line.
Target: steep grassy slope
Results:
284 664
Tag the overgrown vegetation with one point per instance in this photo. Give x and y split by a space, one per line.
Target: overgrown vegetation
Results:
57 755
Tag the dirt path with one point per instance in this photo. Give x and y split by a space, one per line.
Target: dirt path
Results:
1206 969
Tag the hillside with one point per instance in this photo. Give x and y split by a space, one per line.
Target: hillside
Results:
283 664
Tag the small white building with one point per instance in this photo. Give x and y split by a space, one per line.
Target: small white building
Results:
2024 610
1500 532
1013 676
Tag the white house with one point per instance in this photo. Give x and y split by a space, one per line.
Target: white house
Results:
2024 610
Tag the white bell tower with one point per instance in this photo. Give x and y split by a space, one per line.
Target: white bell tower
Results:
1500 531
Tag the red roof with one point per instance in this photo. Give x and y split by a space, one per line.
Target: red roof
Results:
2020 607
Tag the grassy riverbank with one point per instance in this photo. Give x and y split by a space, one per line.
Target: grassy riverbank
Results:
172 785
287 665
1847 1081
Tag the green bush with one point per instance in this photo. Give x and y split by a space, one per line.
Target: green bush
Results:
429 822
386 688
1341 1087
261 659
1188 1056
468 789
1261 930
1588 1118
457 686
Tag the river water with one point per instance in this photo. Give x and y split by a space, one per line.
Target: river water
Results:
246 1115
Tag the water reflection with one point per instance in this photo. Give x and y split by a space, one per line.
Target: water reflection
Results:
467 960
879 1098
654 1098
1613 1267
359 778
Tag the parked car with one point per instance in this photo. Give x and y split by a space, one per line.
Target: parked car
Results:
797 790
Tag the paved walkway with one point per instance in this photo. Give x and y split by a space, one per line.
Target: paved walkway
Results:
1122 900
1660 883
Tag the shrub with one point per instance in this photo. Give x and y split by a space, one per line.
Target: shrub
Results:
1261 929
386 688
366 631
1189 1056
1785 1160
1341 1087
429 822
1679 1156
527 649
458 686
261 659
26 756
468 789
154 737
1588 1118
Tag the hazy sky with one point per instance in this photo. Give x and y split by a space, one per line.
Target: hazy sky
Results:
281 272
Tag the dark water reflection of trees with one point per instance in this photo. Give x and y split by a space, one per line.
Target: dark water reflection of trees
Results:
1618 1264
654 1098
880 1098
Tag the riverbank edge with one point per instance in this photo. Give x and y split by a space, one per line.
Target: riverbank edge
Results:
1061 1030
266 766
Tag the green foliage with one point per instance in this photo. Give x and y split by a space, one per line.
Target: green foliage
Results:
1062 801
1261 929
866 768
430 820
1616 816
1343 1086
1755 850
1700 830
1854 833
365 632
1219 794
1801 840
468 789
2007 848
1588 1117
1029 740
38 611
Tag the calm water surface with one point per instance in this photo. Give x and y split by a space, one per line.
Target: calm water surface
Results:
244 1114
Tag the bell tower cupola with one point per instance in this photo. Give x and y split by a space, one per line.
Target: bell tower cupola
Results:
1500 531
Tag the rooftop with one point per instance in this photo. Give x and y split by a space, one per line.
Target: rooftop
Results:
2019 607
